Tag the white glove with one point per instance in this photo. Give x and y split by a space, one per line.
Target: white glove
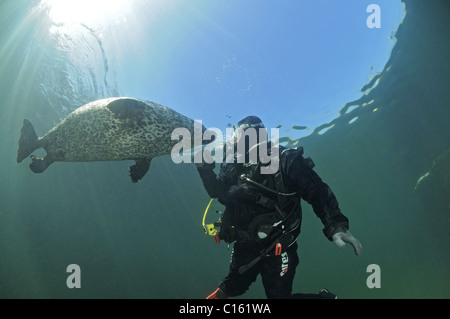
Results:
344 236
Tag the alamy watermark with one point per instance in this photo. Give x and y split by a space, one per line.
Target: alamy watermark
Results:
374 19
248 145
374 279
74 279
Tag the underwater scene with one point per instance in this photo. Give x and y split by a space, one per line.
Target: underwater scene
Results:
362 86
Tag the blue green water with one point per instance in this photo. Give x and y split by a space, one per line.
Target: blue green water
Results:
389 169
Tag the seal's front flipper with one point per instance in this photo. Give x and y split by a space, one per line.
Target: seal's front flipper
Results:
138 171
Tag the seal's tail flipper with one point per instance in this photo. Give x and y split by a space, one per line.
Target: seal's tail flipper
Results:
28 141
138 170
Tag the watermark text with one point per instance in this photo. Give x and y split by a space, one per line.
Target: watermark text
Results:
239 146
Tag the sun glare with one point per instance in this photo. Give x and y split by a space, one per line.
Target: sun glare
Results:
90 12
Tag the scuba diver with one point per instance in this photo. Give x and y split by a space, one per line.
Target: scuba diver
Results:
263 216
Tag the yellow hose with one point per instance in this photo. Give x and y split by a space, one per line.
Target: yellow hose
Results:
204 215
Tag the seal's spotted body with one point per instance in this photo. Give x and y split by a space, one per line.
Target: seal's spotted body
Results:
107 130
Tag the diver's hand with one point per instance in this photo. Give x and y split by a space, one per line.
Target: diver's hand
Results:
344 236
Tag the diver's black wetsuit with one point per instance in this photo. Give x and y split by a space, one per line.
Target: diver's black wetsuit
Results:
277 271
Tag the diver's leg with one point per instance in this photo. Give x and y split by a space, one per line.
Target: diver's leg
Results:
278 273
235 284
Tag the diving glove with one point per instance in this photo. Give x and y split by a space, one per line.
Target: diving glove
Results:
343 236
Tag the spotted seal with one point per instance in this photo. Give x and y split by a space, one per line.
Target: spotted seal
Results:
111 129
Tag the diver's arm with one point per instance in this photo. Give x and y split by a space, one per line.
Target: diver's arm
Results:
319 195
324 204
214 188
